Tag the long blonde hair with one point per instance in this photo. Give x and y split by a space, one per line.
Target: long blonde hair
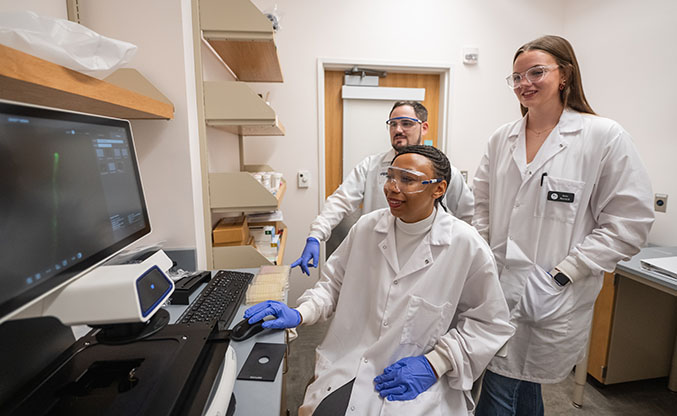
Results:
572 96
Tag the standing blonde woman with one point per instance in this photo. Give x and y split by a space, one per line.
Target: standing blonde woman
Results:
561 195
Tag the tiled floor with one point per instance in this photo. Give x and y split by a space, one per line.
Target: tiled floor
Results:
643 398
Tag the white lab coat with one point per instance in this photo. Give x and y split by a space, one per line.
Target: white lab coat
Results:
593 160
362 187
445 301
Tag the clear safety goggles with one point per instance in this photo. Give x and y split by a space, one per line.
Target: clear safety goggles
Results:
405 180
406 123
533 74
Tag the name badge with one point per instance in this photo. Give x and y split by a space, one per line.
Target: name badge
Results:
557 196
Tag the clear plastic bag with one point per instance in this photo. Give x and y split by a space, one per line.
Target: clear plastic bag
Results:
64 42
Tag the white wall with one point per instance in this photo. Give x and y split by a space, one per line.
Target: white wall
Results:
50 8
164 148
628 58
426 31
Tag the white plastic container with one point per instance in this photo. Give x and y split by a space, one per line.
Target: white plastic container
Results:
267 181
276 180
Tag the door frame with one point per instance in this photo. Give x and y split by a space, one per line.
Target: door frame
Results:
443 69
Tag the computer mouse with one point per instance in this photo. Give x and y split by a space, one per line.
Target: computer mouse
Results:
244 330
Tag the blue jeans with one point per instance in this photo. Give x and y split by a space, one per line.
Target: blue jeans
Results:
505 396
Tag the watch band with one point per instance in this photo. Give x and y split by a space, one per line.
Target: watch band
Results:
560 277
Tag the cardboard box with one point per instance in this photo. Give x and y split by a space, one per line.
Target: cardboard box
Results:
231 230
250 242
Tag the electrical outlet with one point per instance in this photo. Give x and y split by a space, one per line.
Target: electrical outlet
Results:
660 202
303 178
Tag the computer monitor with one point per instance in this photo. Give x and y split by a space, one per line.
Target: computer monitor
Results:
70 197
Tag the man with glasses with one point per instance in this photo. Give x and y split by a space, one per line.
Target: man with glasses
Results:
407 124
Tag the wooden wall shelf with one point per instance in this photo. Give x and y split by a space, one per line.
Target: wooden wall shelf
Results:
234 107
26 78
243 39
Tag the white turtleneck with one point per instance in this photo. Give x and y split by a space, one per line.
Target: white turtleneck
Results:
409 235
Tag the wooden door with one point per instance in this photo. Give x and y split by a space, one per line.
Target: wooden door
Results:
333 116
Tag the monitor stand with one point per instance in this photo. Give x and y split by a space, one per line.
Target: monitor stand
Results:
116 334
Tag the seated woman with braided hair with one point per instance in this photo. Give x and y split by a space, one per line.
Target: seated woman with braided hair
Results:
417 308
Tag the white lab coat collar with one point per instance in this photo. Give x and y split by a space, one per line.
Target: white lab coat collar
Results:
422 257
388 157
439 234
569 122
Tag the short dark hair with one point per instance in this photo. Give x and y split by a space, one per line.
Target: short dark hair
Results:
439 161
419 109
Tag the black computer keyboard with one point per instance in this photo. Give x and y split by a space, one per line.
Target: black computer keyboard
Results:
220 300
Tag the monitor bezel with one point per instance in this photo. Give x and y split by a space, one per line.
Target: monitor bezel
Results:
24 300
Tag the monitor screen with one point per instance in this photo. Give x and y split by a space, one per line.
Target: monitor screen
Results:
70 196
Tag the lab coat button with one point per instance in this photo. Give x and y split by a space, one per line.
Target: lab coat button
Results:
507 267
427 261
385 323
385 246
366 361
329 388
352 408
396 282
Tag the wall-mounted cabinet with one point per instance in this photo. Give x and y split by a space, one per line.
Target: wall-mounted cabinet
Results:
125 94
242 37
234 107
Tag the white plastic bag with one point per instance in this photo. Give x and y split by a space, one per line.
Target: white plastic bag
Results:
64 42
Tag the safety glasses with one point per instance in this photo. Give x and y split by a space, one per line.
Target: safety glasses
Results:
406 123
533 74
405 180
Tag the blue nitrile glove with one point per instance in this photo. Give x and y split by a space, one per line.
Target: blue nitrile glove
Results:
311 250
286 316
406 379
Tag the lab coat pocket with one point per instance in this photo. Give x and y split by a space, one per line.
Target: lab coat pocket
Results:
427 403
559 199
425 323
544 302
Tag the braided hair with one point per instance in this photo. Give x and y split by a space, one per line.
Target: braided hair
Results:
439 161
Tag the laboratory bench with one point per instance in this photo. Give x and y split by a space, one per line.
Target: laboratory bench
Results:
252 397
634 329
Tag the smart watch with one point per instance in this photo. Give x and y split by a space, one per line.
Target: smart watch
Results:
560 278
